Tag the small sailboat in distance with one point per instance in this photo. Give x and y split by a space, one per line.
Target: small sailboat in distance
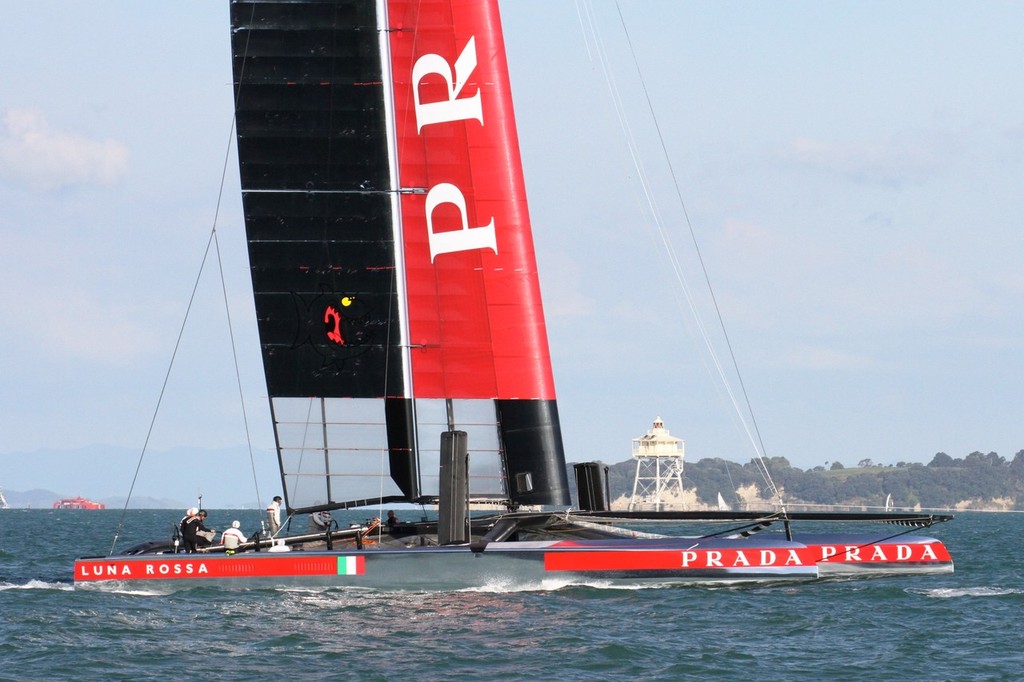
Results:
403 334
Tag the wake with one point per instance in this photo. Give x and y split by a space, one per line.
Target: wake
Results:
37 585
954 592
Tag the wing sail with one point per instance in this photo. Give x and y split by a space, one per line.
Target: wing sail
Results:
391 253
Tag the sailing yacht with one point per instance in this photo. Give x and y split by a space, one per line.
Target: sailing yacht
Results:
404 342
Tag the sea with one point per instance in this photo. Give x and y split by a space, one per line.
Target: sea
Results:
968 625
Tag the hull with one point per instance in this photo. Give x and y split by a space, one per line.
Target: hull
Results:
533 565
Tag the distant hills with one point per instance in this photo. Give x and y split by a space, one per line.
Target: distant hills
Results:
44 499
173 480
976 481
166 478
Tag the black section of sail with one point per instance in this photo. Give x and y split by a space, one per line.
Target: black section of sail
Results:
401 425
313 160
531 433
313 152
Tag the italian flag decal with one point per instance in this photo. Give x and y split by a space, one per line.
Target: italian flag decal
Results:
351 565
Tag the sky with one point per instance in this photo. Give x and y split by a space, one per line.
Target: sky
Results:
851 171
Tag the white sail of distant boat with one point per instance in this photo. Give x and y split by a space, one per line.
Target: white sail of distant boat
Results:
722 506
3 500
888 502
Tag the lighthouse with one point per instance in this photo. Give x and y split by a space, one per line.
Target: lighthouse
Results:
659 468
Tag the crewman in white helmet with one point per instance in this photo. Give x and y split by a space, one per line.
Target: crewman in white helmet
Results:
232 538
189 528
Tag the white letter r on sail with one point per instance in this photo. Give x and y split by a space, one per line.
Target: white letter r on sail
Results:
454 108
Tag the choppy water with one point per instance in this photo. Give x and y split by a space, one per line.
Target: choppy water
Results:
964 626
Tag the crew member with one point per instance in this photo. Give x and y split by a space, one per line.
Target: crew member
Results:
232 538
189 528
274 515
204 535
319 521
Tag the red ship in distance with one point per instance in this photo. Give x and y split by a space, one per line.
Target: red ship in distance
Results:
78 503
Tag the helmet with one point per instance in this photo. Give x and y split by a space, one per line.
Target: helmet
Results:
235 524
191 511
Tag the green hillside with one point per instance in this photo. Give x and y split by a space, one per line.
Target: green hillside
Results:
976 481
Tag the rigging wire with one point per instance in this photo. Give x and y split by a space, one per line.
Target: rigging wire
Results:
759 446
231 333
755 435
220 195
163 390
213 242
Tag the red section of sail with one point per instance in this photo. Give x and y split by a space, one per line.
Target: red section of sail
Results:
476 323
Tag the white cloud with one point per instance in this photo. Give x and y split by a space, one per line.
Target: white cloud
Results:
72 325
822 358
883 162
44 159
52 307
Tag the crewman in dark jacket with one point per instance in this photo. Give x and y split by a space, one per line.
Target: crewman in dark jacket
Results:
189 527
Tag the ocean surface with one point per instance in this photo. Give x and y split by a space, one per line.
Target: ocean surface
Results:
964 626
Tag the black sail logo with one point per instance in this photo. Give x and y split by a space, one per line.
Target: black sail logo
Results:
333 317
337 326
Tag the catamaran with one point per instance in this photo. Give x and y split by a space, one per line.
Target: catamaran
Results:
404 343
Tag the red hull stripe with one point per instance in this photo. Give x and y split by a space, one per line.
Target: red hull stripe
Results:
266 566
476 323
894 552
676 560
238 566
612 561
758 557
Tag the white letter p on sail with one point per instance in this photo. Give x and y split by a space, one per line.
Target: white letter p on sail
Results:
466 239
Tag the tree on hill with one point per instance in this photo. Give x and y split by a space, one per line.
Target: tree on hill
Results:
984 479
1017 465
